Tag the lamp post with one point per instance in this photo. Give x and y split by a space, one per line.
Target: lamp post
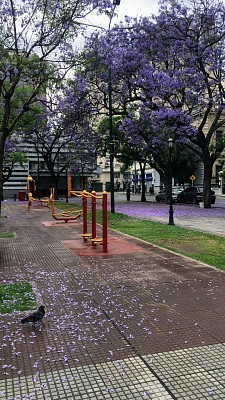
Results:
67 184
111 141
38 174
170 142
111 133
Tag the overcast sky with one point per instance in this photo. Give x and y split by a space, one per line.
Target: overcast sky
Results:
132 8
136 7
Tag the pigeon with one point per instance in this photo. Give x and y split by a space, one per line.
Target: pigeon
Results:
35 317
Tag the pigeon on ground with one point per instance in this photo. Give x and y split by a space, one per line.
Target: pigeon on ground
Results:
35 317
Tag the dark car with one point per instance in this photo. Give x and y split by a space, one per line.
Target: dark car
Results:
194 194
161 195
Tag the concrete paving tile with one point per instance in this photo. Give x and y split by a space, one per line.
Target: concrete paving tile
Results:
139 322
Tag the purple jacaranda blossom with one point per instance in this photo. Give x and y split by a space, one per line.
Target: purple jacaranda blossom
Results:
211 392
166 69
33 57
156 211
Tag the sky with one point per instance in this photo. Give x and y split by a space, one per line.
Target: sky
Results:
131 8
136 8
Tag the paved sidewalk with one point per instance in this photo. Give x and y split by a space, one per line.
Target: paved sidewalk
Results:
136 323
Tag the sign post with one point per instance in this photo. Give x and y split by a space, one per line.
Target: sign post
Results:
192 178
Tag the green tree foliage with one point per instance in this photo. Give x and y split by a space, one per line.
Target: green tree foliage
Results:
36 42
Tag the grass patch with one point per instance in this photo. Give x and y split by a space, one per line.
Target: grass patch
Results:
16 297
4 235
200 246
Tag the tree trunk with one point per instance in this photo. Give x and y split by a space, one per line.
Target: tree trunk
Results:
207 183
54 183
143 195
2 143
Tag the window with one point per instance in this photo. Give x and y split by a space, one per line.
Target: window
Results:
34 166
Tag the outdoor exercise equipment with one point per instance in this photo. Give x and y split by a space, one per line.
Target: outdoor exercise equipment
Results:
44 202
92 236
63 216
30 200
31 186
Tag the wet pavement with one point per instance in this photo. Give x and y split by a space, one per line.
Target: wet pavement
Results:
138 322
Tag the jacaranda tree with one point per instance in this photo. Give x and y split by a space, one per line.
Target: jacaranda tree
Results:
168 74
192 47
59 130
36 42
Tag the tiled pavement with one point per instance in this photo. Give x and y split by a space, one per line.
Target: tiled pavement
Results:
137 323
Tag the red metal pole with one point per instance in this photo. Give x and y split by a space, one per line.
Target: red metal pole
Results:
93 219
84 203
104 222
29 204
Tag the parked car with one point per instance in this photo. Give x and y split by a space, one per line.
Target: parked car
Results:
194 194
161 195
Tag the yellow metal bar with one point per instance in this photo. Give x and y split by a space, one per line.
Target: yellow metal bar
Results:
52 200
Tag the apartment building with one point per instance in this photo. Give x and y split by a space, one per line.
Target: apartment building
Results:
35 167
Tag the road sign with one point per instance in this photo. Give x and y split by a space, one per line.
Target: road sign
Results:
192 177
